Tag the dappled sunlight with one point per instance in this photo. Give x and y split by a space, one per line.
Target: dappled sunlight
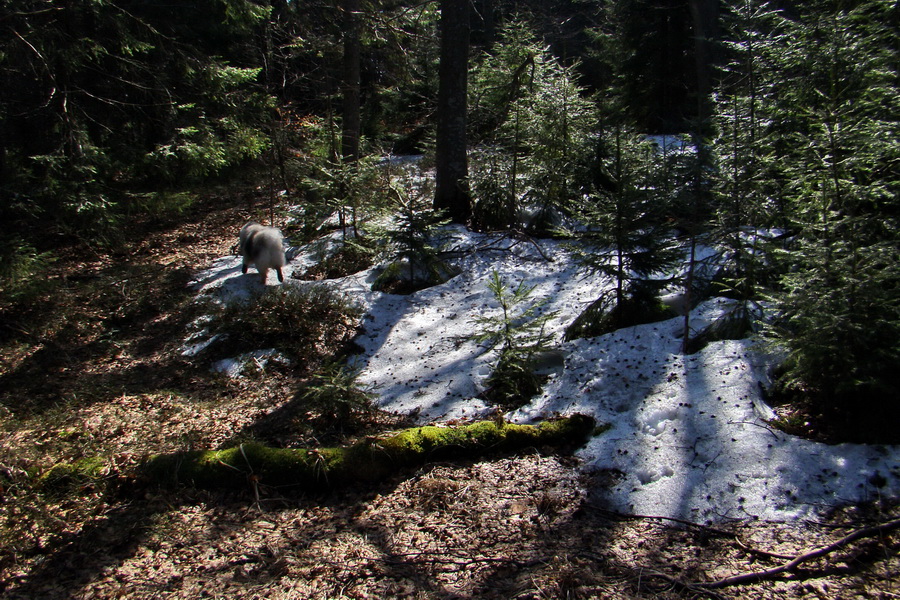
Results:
688 435
219 277
422 358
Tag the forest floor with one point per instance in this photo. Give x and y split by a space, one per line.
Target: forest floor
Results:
91 365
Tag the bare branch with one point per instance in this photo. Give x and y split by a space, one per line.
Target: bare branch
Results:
801 558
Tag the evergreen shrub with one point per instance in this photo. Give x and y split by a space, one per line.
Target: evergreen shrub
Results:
336 398
605 315
519 332
309 324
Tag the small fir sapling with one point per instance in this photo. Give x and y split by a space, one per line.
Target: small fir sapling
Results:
337 395
519 330
413 246
628 236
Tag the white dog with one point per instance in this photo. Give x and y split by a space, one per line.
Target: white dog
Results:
263 247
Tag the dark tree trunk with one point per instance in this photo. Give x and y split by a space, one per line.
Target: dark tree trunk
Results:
705 17
484 24
452 189
351 117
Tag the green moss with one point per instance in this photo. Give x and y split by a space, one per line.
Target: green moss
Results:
65 476
367 461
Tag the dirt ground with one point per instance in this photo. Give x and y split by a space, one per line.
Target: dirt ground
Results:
91 367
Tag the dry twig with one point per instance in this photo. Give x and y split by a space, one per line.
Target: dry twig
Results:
801 558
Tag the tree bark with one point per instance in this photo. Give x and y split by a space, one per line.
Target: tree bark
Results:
704 15
452 167
350 133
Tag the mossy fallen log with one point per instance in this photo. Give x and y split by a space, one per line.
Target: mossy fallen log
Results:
368 461
65 477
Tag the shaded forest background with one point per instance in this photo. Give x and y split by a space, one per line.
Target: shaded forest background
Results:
115 115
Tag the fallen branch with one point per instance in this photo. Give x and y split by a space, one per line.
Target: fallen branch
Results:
367 461
462 562
516 236
642 571
680 585
801 558
632 516
707 528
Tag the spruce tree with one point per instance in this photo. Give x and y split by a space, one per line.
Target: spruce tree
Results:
634 193
626 236
838 309
104 104
518 331
531 108
747 174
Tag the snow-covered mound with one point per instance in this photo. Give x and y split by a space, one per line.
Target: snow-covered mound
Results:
688 436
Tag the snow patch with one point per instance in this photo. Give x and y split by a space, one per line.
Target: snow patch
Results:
689 434
250 362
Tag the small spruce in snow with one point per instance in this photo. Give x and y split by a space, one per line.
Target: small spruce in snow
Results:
519 331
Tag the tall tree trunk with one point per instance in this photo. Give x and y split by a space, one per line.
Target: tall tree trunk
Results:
350 98
705 16
351 119
452 167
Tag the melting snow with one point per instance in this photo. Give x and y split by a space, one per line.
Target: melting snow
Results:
688 436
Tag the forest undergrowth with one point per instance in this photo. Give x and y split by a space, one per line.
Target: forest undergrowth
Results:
92 367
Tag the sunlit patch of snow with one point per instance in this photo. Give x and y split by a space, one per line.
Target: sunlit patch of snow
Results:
688 433
252 362
671 143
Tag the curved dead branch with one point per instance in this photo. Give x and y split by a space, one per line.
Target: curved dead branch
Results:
801 558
